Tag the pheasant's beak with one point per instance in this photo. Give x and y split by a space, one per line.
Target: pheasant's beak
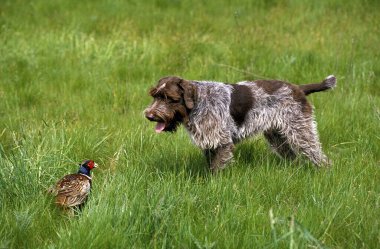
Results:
95 165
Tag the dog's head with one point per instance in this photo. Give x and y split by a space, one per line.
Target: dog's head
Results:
173 100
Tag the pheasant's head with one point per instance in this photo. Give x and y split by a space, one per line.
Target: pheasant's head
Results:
86 166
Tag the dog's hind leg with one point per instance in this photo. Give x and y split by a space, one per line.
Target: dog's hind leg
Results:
303 138
279 144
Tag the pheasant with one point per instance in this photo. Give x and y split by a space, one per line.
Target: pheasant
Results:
72 190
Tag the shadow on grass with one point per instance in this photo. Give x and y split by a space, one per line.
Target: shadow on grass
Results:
256 155
191 163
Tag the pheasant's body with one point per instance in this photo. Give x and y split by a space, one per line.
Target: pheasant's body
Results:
72 190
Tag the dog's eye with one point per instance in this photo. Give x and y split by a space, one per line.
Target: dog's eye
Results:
160 98
167 99
172 101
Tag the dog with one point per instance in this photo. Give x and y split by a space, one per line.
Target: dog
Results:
219 115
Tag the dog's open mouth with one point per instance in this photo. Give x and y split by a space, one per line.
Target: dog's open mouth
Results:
160 126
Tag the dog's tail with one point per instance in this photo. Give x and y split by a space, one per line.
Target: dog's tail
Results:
326 84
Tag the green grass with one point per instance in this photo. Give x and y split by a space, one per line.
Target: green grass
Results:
74 77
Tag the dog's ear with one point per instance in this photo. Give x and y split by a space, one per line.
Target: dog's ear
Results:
188 93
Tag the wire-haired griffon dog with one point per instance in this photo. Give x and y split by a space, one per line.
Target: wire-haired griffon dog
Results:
219 115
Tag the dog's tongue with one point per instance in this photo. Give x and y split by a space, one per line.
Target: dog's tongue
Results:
160 127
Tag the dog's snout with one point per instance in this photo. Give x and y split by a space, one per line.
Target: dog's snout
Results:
149 116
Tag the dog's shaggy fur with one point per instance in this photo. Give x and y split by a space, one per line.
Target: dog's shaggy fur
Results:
218 115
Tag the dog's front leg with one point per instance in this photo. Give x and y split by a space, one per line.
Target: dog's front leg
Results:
219 157
209 154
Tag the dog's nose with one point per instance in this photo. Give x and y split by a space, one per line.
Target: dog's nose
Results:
149 116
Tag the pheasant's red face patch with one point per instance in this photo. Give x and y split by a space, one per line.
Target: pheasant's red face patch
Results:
91 164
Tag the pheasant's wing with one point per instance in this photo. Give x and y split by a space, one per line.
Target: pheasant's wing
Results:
72 190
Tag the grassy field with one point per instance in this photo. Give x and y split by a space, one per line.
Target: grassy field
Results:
74 77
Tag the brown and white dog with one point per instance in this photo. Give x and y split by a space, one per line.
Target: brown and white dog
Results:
219 115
